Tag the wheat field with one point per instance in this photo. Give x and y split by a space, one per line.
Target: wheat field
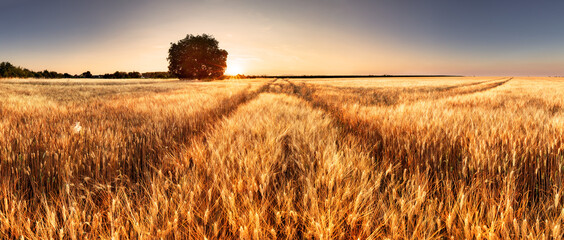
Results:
379 158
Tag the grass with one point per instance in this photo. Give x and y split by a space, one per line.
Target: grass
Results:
473 158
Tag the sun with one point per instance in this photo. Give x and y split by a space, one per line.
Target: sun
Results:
233 69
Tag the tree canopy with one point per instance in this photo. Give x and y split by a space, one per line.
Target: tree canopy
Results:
197 57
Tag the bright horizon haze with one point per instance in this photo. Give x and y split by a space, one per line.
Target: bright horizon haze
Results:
294 37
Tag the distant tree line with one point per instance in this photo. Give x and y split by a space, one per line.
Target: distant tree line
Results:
7 70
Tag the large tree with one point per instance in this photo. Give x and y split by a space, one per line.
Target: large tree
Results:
197 57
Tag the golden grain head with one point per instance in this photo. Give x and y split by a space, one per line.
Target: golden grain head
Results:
388 158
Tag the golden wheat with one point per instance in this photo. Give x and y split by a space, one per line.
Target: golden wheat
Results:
409 158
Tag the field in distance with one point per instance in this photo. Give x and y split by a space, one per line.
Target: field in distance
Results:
397 158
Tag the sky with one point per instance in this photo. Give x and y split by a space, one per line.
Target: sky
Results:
294 37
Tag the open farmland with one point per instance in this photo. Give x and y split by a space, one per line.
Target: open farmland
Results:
398 158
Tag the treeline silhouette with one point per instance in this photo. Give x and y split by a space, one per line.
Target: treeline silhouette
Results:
7 70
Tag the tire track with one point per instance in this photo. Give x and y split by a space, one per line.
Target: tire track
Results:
442 158
383 150
361 90
147 161
131 163
209 119
391 96
482 88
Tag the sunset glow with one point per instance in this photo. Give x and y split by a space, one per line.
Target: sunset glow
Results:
290 37
233 69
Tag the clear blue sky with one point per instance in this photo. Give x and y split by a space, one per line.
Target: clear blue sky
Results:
290 37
